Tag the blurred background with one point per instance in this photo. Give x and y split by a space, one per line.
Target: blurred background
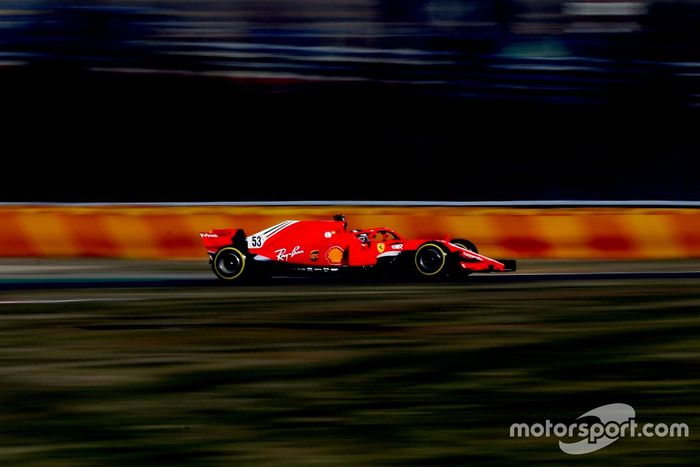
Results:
350 99
133 361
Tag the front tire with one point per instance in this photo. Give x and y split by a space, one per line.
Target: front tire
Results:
230 265
430 261
465 244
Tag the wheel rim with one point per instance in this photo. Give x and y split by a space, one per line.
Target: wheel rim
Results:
430 260
229 263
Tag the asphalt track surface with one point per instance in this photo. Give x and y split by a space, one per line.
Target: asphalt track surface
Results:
116 362
56 274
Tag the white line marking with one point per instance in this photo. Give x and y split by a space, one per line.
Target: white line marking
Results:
596 273
65 300
512 203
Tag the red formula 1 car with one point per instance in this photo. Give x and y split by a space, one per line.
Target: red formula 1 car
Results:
327 246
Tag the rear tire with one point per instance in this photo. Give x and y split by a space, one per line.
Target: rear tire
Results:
230 264
430 261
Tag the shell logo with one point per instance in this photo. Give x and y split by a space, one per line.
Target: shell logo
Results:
334 255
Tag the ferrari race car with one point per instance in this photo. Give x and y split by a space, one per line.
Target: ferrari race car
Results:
329 247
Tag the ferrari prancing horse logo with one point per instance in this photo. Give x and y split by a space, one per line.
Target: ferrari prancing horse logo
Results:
313 256
380 247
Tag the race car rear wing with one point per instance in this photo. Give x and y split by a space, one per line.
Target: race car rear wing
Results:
218 238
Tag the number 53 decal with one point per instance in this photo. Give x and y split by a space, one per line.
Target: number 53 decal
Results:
255 241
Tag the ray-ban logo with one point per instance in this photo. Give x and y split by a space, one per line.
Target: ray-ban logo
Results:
599 428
